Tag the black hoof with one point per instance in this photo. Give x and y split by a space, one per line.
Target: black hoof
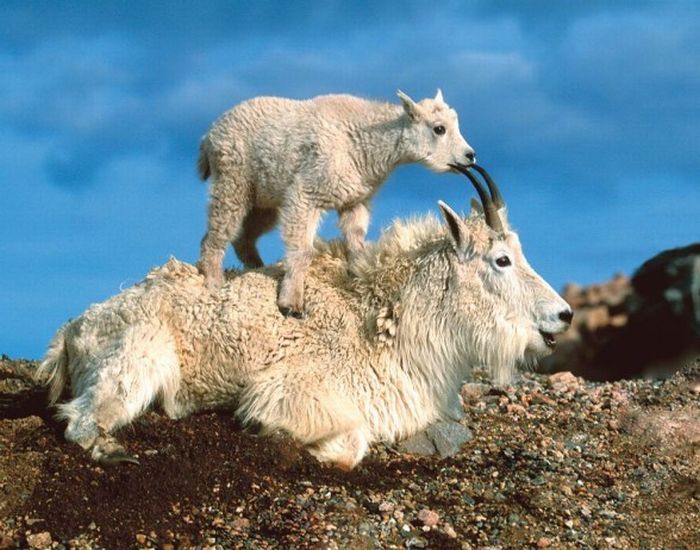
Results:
118 458
290 312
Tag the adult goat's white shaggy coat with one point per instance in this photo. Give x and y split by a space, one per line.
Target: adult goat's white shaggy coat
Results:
272 158
380 356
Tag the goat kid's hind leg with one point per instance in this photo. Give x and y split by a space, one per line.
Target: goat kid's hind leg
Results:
228 207
258 222
354 222
299 223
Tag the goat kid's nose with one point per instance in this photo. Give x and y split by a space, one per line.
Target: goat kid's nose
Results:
471 157
566 316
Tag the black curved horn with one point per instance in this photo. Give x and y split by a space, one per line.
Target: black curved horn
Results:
493 220
493 188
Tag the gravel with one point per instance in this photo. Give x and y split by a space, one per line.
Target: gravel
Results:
548 462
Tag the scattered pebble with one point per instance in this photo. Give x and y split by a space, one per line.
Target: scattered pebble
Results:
429 518
39 540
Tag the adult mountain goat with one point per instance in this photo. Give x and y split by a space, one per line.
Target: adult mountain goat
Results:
380 356
273 158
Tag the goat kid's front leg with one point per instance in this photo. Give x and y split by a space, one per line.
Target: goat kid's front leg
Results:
299 223
353 222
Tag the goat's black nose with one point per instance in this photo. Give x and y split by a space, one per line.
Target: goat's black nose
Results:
470 156
566 316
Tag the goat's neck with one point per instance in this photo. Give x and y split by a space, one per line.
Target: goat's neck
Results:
381 144
429 349
432 348
434 357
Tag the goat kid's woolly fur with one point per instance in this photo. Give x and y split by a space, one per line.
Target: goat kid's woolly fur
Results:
273 159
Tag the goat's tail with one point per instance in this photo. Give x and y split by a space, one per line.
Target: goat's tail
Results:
203 161
53 371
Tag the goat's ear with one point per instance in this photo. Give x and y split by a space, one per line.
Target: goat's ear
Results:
458 230
503 214
438 96
476 207
410 106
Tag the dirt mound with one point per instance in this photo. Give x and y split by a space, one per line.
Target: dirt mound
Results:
555 461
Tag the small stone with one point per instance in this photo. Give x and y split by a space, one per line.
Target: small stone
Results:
514 408
386 507
140 538
543 542
428 517
565 380
416 542
240 524
539 480
541 399
472 392
449 531
39 540
448 437
417 444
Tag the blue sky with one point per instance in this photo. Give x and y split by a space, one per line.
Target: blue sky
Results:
587 113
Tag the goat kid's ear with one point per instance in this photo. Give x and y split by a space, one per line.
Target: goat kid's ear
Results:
458 230
438 96
410 106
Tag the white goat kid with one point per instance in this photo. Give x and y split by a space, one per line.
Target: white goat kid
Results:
272 158
380 356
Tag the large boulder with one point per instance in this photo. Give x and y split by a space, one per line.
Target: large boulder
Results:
648 325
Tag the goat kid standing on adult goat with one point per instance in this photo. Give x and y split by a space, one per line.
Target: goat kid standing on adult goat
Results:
276 159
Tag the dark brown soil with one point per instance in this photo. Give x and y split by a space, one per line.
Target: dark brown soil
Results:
555 461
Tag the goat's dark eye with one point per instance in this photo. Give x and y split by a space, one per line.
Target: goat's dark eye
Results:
439 130
503 261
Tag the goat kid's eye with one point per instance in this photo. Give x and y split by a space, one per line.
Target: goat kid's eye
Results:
439 130
503 261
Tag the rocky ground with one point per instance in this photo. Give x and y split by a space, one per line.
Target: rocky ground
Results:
554 462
